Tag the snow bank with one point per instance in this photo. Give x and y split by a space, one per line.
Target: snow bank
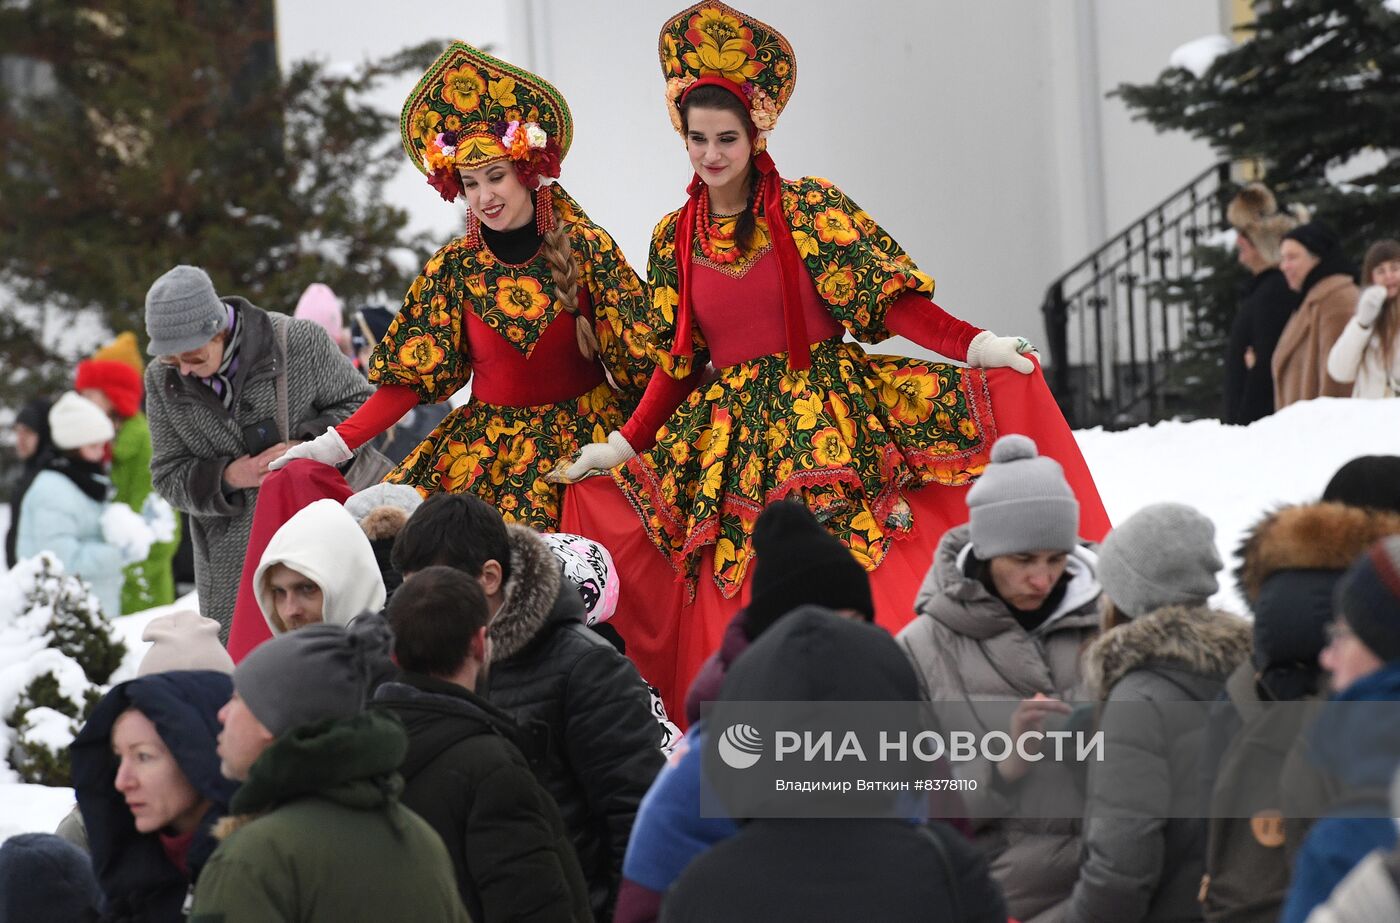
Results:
1234 474
1199 54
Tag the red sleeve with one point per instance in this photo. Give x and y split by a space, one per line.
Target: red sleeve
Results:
663 395
385 407
914 317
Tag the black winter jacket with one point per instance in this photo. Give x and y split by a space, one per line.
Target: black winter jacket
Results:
465 776
810 869
1266 304
139 883
828 869
584 712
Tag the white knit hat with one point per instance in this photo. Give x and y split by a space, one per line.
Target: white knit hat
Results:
76 421
183 641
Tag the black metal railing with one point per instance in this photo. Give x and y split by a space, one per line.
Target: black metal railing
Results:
1113 328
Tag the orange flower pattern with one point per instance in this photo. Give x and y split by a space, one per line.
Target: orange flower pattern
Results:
723 46
501 453
462 88
826 436
847 436
519 307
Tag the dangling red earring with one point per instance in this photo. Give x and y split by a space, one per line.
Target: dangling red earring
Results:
473 235
544 210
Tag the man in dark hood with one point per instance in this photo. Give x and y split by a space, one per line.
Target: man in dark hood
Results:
808 869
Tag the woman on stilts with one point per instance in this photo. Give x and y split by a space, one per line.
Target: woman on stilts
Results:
761 277
529 306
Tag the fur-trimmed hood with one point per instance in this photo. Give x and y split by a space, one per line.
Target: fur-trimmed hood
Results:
531 591
383 522
1314 536
1203 641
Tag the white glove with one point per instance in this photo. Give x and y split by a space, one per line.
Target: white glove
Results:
1368 306
600 456
989 351
327 448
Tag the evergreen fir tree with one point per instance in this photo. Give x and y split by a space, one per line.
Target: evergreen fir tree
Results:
1314 84
62 609
1312 89
162 133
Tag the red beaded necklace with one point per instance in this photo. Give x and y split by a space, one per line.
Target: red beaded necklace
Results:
709 234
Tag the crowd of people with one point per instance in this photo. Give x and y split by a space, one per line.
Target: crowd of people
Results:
1303 328
473 749
410 693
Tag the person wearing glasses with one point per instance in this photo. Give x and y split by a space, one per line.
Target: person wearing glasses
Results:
1357 742
232 386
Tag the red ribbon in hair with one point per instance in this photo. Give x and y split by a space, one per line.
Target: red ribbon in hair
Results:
770 189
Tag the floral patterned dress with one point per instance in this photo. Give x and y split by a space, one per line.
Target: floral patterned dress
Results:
848 436
535 400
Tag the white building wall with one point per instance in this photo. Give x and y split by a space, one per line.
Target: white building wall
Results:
976 131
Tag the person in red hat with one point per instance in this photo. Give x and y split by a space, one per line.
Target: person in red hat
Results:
117 388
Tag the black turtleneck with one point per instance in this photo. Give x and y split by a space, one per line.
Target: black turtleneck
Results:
518 245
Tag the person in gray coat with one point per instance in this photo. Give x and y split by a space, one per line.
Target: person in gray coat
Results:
1162 647
1006 609
212 401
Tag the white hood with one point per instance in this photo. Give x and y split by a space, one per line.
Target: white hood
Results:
323 542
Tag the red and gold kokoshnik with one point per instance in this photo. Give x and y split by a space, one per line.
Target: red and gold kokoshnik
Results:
715 43
471 109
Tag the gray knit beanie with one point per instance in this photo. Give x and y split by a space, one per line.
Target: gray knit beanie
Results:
398 496
183 312
1162 555
1021 503
311 674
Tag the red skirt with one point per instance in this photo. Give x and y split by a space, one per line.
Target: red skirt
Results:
669 637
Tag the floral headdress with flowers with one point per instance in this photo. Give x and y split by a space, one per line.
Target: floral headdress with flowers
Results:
711 43
471 109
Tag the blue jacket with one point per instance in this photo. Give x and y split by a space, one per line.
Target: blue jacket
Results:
56 516
669 830
138 881
1364 755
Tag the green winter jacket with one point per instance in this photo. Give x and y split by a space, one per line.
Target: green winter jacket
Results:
151 582
318 836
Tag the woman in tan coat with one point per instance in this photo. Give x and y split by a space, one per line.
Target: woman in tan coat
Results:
1009 605
1316 268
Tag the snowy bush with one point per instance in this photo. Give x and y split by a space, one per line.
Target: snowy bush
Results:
57 652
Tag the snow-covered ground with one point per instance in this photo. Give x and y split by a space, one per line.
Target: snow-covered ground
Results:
1233 474
29 808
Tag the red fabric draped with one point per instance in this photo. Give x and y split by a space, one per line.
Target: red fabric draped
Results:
669 638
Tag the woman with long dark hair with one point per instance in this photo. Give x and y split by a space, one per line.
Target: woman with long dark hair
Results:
763 277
